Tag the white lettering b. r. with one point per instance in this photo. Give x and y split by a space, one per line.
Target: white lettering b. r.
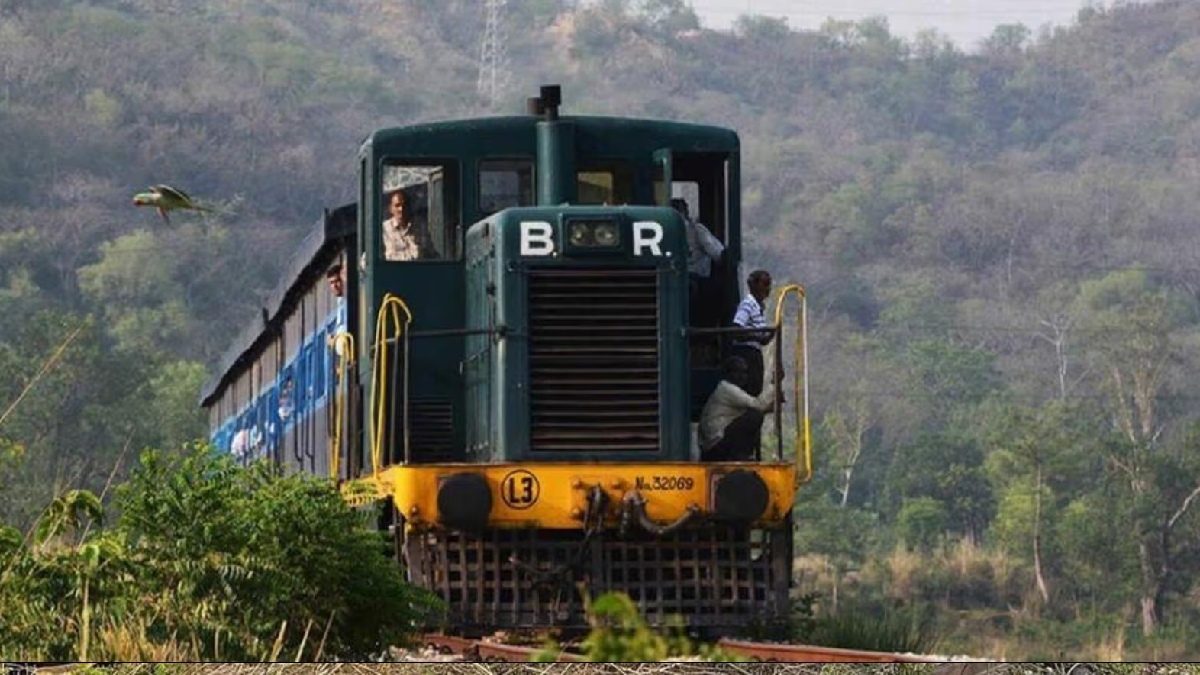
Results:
647 234
537 238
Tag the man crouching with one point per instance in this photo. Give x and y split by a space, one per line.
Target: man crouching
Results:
731 422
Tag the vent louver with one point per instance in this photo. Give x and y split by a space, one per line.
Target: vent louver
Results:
593 357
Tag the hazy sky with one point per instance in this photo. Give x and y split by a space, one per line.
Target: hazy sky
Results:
966 22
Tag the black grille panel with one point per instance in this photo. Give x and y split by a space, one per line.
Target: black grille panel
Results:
719 577
593 358
431 434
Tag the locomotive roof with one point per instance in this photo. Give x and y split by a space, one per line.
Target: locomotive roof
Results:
670 133
309 261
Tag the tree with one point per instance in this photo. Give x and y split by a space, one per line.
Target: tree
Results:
668 16
843 534
134 282
1035 452
947 469
1056 327
860 403
922 522
1134 331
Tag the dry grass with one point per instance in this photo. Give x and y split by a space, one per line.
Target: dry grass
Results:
1110 648
815 573
127 642
996 648
904 569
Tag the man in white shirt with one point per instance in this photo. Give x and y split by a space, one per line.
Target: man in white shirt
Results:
750 315
730 427
403 240
704 250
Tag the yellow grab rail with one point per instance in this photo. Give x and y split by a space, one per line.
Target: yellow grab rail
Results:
389 315
800 403
342 344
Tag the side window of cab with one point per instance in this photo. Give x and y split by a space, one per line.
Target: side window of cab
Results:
420 212
504 183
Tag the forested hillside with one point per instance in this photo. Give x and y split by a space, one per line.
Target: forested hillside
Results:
999 247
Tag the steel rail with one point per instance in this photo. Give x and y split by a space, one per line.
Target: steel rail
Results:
489 650
785 653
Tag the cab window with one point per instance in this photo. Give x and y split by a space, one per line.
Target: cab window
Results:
605 183
504 183
419 212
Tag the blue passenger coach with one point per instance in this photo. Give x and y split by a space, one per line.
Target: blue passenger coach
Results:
276 391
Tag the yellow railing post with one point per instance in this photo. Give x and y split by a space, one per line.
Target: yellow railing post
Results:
800 381
389 315
343 348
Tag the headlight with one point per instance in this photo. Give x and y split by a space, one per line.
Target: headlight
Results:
580 234
605 234
593 233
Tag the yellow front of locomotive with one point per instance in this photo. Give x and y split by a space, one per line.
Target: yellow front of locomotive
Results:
658 498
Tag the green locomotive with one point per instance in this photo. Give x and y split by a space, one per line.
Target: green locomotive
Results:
520 369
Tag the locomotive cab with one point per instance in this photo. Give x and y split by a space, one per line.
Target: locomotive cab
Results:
469 171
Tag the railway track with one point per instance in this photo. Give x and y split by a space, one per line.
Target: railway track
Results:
493 651
489 650
785 653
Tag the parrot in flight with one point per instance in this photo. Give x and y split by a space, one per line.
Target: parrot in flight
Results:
165 198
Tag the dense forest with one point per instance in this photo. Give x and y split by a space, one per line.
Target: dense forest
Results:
999 246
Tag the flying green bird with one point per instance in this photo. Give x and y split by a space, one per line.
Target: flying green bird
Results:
165 198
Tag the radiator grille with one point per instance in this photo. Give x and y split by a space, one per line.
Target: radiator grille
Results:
593 357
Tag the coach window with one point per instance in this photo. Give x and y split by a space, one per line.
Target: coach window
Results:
605 183
504 183
420 213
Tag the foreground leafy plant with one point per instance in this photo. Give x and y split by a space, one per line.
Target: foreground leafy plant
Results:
886 632
207 561
619 634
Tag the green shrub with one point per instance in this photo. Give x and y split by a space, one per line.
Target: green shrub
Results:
887 631
208 561
620 635
803 619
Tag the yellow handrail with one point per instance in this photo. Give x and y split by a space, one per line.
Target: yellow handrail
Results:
389 309
804 426
342 344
